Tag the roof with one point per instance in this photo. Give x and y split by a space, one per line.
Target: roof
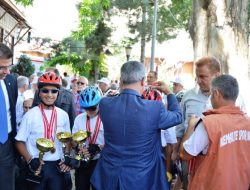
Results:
10 7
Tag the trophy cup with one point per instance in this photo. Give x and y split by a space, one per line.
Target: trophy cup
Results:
79 138
64 138
43 145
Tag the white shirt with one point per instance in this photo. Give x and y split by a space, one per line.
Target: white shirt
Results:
168 136
80 124
5 92
68 82
198 142
19 109
32 128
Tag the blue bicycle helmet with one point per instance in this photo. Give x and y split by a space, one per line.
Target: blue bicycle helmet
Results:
90 96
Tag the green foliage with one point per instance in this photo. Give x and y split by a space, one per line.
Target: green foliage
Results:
102 65
24 66
91 11
95 33
67 46
171 17
95 44
98 38
25 2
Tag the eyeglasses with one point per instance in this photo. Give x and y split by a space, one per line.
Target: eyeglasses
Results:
46 91
6 67
80 83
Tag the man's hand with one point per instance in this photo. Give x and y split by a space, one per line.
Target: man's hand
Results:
162 87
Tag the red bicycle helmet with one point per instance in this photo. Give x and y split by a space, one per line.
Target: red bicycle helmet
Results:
49 78
151 94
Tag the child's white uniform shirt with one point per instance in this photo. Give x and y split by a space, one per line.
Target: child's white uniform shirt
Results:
80 124
32 128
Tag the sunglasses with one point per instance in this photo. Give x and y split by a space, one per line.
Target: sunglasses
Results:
46 91
91 108
80 83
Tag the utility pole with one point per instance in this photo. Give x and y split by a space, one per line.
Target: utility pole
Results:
154 31
143 31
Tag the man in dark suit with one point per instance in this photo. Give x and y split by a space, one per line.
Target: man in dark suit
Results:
132 156
8 97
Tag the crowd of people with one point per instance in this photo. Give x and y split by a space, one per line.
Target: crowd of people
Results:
133 134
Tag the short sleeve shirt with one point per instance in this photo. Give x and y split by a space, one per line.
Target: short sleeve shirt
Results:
32 128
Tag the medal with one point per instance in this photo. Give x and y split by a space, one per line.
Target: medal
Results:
49 127
96 131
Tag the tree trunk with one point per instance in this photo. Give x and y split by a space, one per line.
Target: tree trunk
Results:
97 71
220 28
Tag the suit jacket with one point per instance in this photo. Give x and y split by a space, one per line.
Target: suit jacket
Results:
132 156
11 86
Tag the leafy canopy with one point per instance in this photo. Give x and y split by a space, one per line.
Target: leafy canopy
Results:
24 66
25 2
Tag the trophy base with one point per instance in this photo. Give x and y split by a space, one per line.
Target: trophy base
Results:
33 178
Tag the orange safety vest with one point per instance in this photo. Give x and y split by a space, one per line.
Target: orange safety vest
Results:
227 162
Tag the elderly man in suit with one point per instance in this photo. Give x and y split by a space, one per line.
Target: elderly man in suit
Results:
132 156
8 97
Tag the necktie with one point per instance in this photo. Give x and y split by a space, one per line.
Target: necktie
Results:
3 118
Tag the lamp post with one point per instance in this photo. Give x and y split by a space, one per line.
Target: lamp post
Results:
128 52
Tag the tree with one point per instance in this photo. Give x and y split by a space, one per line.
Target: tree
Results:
95 32
172 16
25 2
220 28
91 12
24 66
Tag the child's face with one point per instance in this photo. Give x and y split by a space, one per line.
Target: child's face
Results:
92 113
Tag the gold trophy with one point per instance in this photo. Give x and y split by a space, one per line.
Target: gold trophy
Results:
64 138
79 138
43 145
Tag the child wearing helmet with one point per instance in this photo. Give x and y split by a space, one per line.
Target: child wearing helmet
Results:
89 121
44 121
151 94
